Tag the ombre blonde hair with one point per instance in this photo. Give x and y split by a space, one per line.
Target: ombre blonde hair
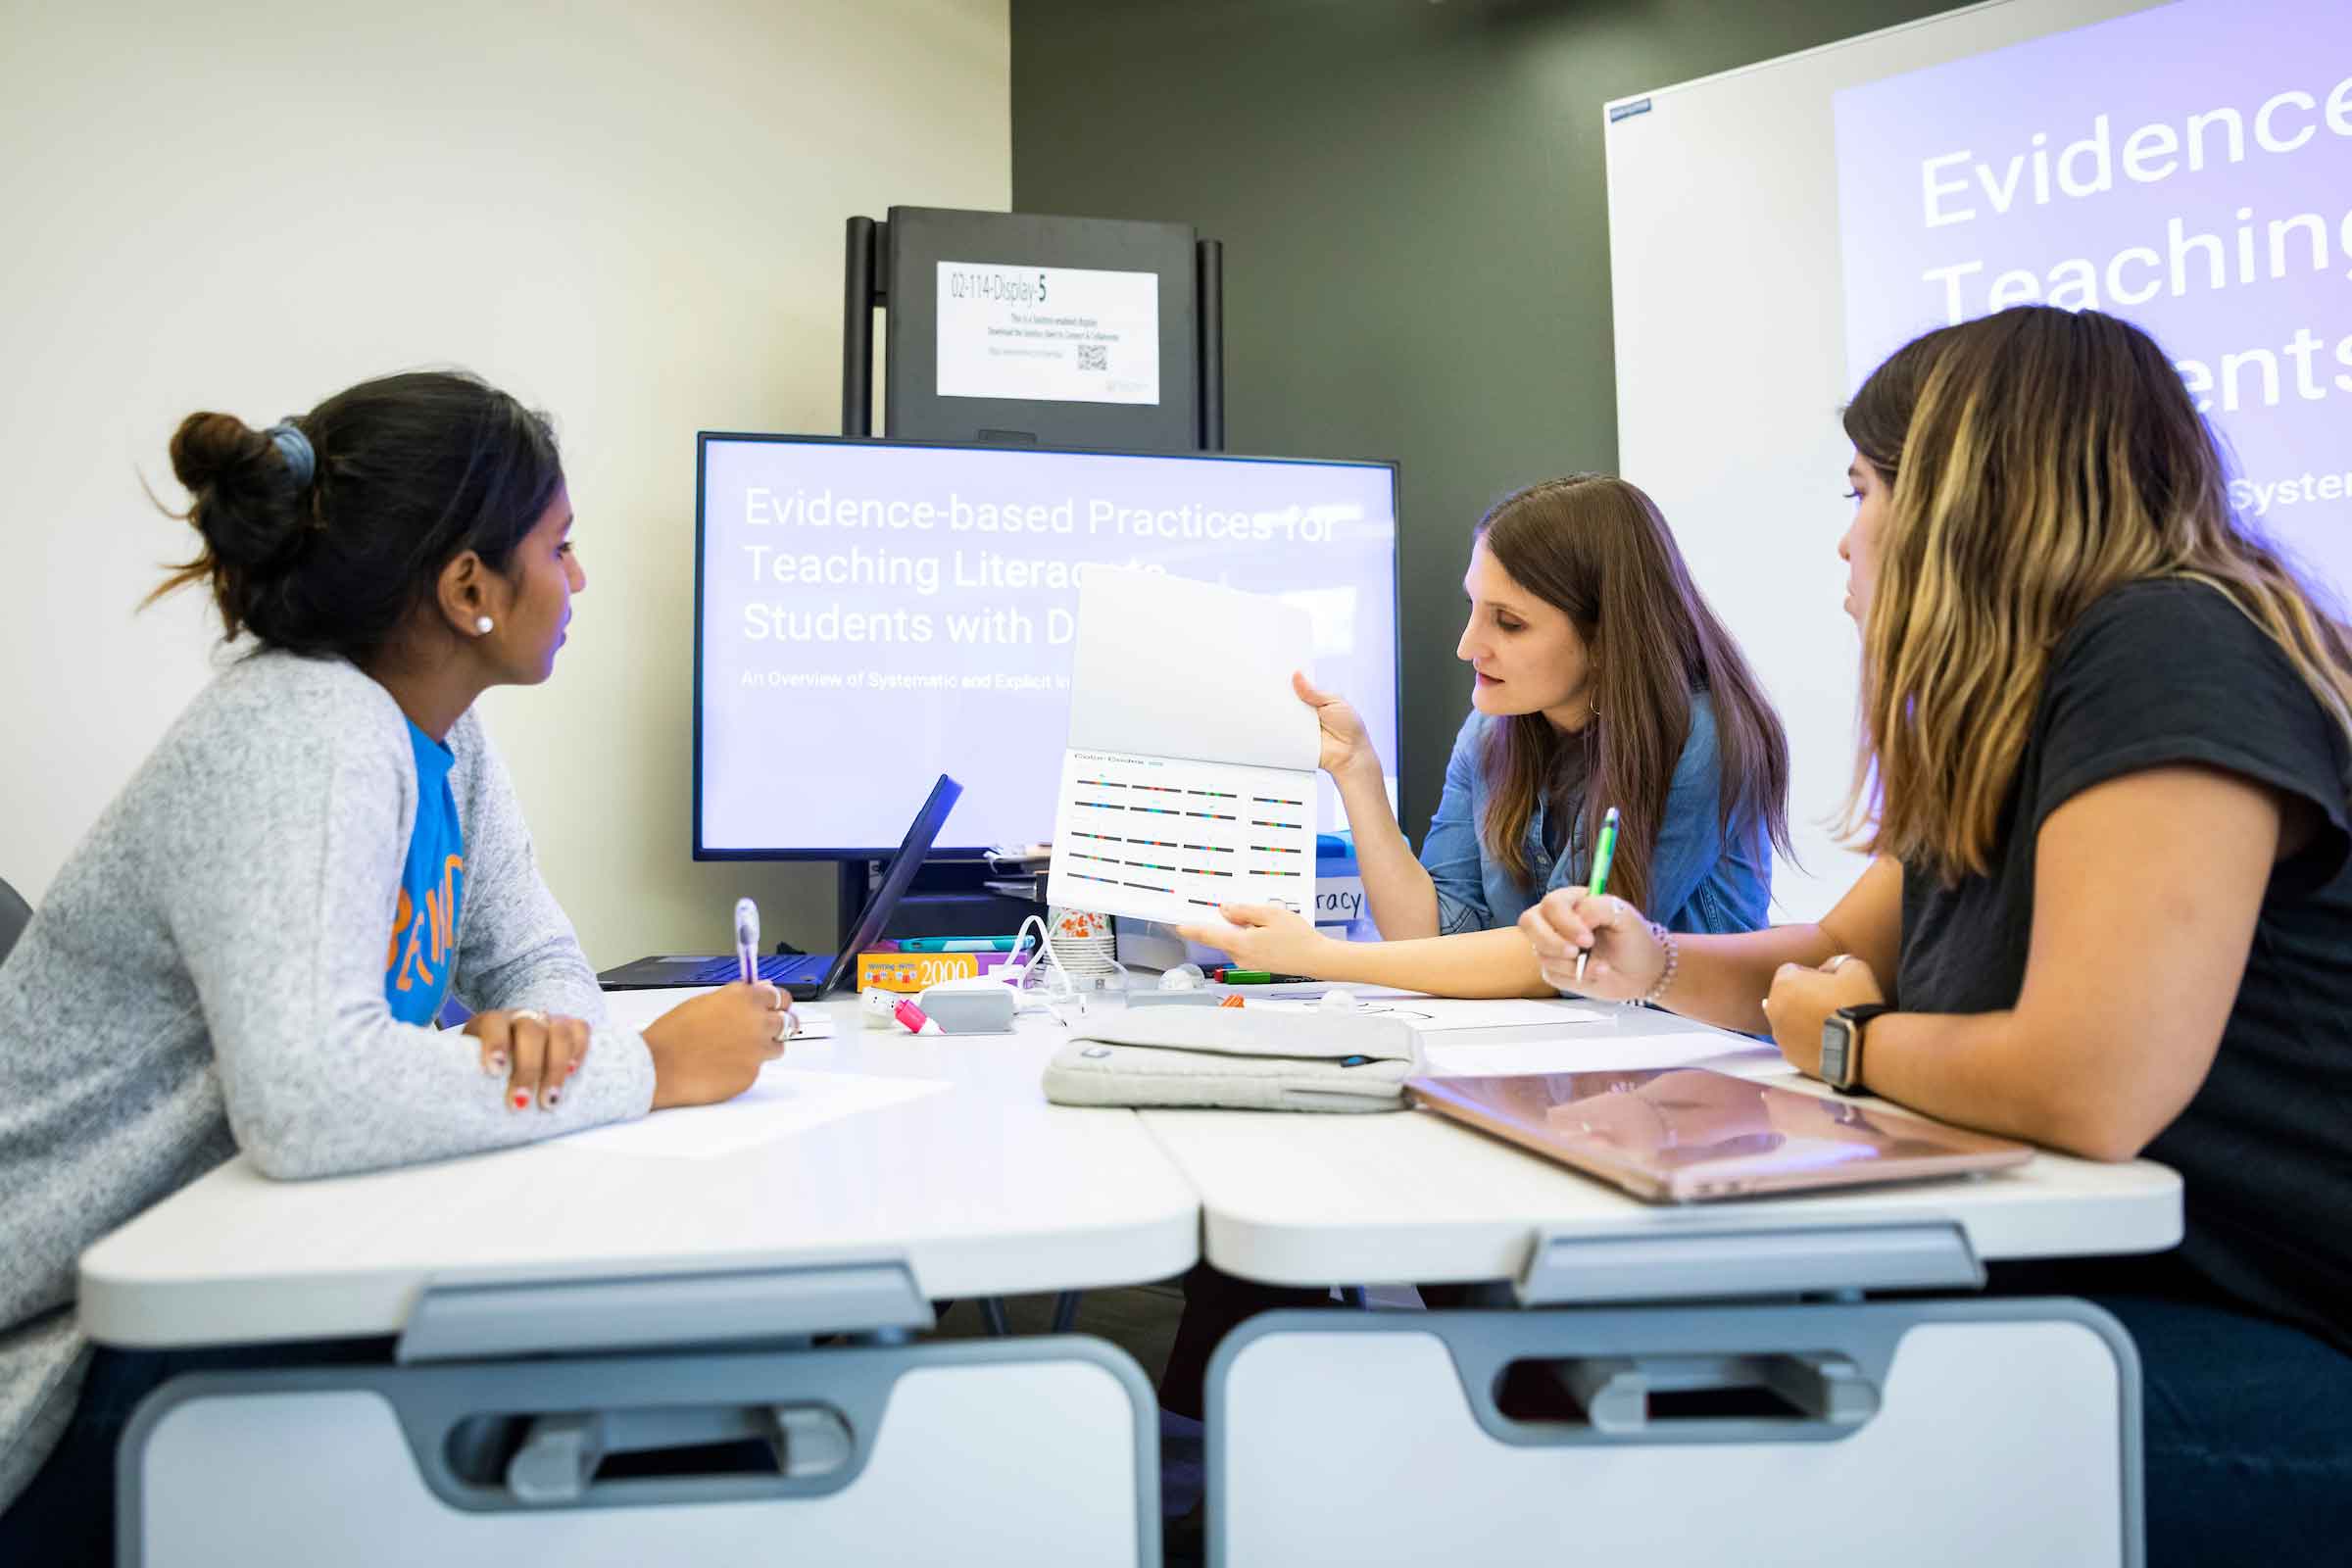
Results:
2039 459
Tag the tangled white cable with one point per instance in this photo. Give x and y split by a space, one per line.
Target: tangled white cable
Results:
1060 986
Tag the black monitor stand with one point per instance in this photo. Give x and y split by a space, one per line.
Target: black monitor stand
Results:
948 899
892 267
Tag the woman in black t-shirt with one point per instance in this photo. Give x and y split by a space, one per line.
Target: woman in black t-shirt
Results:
2107 741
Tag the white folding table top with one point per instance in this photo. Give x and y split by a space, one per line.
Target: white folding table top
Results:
980 1189
1322 1200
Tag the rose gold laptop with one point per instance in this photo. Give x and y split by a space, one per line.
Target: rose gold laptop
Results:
1684 1135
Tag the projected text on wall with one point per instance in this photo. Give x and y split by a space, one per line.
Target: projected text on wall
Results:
2187 168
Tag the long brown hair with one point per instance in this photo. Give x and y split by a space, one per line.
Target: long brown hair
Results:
2037 459
1598 548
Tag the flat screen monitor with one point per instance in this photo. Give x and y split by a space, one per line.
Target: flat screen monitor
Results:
869 615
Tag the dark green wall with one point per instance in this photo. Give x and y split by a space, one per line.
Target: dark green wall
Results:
1415 225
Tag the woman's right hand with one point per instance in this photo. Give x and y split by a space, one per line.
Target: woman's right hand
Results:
1625 959
1347 745
712 1046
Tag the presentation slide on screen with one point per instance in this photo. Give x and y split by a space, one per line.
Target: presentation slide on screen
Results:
875 615
2187 168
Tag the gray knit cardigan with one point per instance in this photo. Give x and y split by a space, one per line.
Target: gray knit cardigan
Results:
206 976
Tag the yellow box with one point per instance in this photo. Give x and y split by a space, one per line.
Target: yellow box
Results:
909 973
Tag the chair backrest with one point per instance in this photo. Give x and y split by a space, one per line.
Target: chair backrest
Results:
15 914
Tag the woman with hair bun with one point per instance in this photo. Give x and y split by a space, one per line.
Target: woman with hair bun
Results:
251 948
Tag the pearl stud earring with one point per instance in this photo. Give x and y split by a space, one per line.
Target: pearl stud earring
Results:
482 626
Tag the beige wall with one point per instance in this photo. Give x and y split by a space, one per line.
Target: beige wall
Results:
628 214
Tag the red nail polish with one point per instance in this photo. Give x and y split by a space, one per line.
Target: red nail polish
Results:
522 1098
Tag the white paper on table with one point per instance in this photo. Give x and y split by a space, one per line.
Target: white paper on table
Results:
815 1023
1189 781
783 1101
1606 1052
1308 993
1443 1014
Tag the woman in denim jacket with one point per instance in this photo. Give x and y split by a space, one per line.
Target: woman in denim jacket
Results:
1601 679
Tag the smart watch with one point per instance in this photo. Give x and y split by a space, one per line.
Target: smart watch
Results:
1841 1046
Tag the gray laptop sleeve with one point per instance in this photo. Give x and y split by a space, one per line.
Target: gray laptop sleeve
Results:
1237 1058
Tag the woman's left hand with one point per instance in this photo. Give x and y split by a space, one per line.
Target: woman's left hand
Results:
1260 936
1802 1000
535 1051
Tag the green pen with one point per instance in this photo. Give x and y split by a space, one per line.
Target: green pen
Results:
1602 854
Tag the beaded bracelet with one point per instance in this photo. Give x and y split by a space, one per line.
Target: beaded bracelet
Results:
1674 955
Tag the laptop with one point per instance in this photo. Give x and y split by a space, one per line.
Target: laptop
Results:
1680 1135
806 976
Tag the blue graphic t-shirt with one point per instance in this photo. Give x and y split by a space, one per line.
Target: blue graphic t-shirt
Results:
424 929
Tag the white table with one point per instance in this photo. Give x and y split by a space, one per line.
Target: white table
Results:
980 1190
1377 1199
558 1305
983 1189
1954 1431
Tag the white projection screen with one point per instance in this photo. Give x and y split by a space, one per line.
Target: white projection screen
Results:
1775 230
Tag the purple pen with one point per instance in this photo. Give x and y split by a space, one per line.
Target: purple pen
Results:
747 937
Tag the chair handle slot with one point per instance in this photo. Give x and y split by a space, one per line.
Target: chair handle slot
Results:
561 1458
1659 1396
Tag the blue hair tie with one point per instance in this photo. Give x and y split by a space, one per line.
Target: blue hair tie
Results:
302 460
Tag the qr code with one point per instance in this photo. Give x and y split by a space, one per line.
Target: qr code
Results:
1093 357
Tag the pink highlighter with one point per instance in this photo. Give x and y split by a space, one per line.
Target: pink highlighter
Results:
912 1016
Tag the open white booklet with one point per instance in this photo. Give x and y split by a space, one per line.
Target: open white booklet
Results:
1190 778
